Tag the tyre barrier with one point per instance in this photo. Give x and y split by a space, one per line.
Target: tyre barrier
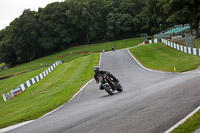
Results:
29 82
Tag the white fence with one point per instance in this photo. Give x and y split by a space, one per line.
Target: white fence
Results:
30 82
185 49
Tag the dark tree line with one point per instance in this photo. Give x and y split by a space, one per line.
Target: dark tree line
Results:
61 25
176 12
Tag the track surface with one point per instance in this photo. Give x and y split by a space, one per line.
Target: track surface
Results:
152 102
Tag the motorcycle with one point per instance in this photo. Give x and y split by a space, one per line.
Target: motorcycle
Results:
108 84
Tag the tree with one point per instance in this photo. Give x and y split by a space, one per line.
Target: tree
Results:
55 33
188 9
80 21
7 51
65 24
25 37
118 25
176 11
96 10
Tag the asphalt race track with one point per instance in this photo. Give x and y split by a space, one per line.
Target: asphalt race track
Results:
151 102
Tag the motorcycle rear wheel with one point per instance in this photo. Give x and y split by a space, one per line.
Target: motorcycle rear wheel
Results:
119 88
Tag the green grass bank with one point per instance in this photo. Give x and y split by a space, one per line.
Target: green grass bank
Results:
161 57
51 92
70 54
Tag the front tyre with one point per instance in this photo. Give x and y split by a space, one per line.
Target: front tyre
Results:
109 90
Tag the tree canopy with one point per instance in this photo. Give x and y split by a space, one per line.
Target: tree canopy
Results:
176 12
61 25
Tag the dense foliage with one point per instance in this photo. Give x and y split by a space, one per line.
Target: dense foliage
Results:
61 25
177 12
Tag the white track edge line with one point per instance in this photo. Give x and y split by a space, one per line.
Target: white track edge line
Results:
143 66
6 129
69 99
27 122
182 121
188 72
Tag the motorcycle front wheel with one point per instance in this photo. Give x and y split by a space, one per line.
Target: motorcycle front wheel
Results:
109 90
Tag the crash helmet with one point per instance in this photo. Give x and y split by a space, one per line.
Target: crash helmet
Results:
96 69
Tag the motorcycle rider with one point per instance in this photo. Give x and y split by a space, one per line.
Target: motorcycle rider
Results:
113 48
97 72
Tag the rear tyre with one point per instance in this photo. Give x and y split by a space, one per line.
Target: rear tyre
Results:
119 88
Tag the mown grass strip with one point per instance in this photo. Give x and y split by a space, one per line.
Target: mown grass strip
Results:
7 85
51 92
197 43
71 54
161 57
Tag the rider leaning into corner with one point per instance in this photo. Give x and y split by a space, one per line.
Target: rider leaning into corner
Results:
97 72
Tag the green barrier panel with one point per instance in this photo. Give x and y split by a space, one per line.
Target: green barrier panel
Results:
25 85
31 81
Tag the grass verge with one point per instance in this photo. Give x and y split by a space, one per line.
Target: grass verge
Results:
71 54
161 57
51 92
2 64
197 43
190 125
